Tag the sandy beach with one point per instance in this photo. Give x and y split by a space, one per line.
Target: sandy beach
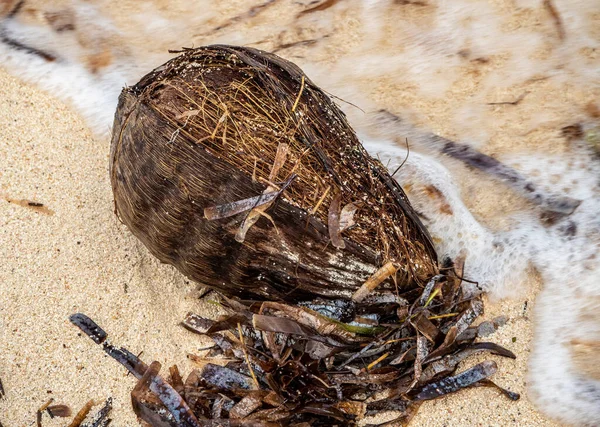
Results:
64 251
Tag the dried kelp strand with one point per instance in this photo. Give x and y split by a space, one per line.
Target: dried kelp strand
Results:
196 323
89 327
179 414
375 280
448 364
333 222
234 208
494 349
557 204
457 382
163 390
290 387
101 419
554 204
246 406
489 383
222 377
175 379
347 216
224 323
40 412
428 288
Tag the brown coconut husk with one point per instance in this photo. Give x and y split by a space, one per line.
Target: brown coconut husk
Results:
230 164
204 129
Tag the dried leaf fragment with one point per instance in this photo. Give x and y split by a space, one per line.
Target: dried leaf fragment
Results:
258 211
230 209
62 411
347 216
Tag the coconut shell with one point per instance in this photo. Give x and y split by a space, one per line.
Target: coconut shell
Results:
204 130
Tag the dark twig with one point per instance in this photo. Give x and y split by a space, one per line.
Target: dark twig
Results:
515 102
307 42
321 6
405 159
41 410
557 19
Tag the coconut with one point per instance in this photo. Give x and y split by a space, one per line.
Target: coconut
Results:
233 166
230 164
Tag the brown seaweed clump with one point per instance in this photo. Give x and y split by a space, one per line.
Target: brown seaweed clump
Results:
231 165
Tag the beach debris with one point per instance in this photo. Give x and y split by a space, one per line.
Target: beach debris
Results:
101 419
553 205
489 383
589 133
16 44
2 392
452 384
572 132
305 42
375 280
41 410
488 327
82 414
411 3
515 102
29 204
62 411
250 13
232 165
592 138
560 205
324 5
149 385
285 364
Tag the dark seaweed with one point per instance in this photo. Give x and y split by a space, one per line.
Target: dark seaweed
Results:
289 364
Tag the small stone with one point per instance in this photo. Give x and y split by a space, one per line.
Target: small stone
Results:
486 328
499 321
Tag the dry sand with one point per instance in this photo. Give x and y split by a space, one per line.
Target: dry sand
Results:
79 258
